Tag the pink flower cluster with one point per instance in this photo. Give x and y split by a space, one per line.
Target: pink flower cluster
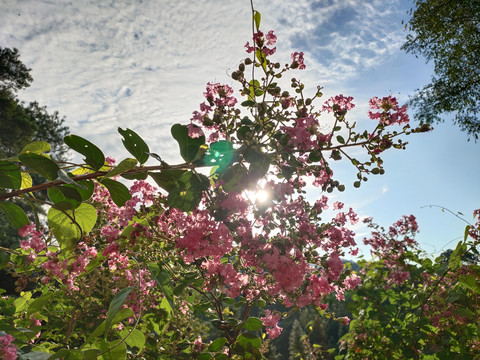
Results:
302 133
8 350
270 321
67 270
297 59
224 278
339 104
391 113
391 249
35 243
202 236
265 43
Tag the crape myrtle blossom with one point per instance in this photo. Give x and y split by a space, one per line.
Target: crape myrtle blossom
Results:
35 243
264 43
8 350
270 321
392 249
391 113
339 104
297 60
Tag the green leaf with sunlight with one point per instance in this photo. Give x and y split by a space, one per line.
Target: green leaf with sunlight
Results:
64 197
134 338
68 226
26 181
135 145
257 17
220 153
37 147
93 155
124 165
40 164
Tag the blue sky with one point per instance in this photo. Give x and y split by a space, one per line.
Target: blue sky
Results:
144 65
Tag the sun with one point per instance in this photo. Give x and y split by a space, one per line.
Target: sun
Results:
261 196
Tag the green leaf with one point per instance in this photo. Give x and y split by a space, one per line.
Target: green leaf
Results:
134 338
136 176
15 214
162 278
253 324
122 314
93 155
220 153
26 180
340 139
114 350
91 354
467 231
39 303
465 312
66 354
119 192
85 190
124 165
65 230
41 164
189 147
254 84
189 191
35 355
257 17
167 179
135 145
62 175
245 339
248 103
37 147
469 282
204 356
64 197
221 357
115 306
217 344
184 187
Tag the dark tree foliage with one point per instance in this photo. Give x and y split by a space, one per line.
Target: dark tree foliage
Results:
14 75
447 32
21 124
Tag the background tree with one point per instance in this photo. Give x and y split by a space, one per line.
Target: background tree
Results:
448 32
22 124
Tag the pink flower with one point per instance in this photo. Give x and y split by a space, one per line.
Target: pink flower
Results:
271 38
297 58
270 321
198 344
8 350
194 131
335 266
390 113
338 103
352 281
262 43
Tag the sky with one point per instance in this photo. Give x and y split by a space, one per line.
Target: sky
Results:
144 65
